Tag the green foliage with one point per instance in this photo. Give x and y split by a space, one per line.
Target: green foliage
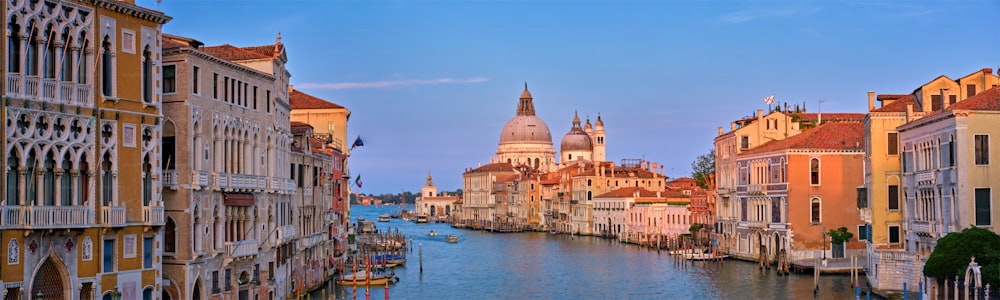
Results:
840 235
953 253
702 167
694 228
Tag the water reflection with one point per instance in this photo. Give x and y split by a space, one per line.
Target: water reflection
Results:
545 266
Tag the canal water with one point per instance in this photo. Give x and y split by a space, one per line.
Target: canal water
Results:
486 265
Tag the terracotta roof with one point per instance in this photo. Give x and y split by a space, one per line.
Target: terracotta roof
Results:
987 100
829 136
300 100
899 105
266 50
170 43
813 117
683 179
233 53
983 70
628 192
881 97
494 167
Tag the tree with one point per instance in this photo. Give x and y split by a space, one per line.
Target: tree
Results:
954 251
840 235
702 167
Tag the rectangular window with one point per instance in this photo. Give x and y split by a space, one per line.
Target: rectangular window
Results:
936 102
892 143
147 252
225 88
952 99
255 97
982 149
744 142
983 209
970 90
270 270
862 232
951 153
246 91
215 282
816 212
229 279
894 234
893 197
195 74
215 86
108 257
293 171
267 100
170 79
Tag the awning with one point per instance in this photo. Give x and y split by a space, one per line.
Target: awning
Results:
238 199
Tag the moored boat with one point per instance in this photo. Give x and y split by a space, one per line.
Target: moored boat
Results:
422 219
452 238
363 277
432 233
384 218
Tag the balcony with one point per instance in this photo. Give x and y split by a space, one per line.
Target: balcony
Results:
170 179
199 179
924 177
924 227
113 216
311 240
756 189
47 216
49 90
153 215
242 248
287 233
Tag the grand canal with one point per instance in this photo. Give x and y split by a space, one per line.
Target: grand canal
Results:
545 266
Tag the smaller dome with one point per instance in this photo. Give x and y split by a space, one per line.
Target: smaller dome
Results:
576 140
525 94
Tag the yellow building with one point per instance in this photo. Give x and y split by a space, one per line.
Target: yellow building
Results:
882 201
82 212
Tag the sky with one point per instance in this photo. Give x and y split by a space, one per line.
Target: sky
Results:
430 84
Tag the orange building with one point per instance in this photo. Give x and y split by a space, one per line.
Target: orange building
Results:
792 191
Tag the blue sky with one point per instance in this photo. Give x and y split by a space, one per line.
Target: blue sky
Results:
431 83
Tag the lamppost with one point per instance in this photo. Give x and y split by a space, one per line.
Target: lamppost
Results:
116 294
824 245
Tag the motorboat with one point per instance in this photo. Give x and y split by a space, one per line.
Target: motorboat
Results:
384 218
432 233
452 238
422 219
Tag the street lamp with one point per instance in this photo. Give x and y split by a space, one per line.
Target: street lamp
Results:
824 245
116 294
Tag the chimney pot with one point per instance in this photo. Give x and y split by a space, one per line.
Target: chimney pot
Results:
871 100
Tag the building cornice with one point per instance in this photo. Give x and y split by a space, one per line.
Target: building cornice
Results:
132 10
213 59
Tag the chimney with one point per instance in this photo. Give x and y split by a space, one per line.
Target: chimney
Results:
732 125
656 167
290 88
871 100
657 194
909 112
720 130
760 113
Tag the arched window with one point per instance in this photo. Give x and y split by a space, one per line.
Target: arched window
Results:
31 183
107 74
66 69
590 195
31 52
84 185
147 75
147 294
170 236
589 182
814 171
815 211
13 186
147 181
13 47
66 183
49 54
106 180
81 66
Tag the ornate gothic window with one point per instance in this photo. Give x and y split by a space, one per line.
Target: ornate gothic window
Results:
31 181
49 177
107 72
147 75
147 181
106 180
13 47
13 186
31 52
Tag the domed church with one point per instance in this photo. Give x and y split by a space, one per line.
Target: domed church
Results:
526 140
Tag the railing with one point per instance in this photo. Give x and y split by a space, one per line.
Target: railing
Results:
113 216
216 181
170 179
47 216
14 86
152 215
287 233
756 189
926 176
52 90
242 248
311 240
924 226
199 179
223 180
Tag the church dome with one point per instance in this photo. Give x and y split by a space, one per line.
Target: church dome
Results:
576 139
525 129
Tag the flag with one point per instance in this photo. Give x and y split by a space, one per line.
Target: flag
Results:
357 143
769 99
357 181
